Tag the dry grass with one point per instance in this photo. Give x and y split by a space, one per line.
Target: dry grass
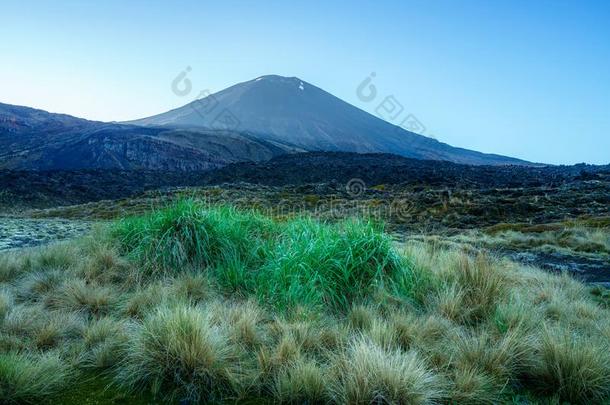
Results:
179 353
10 267
6 303
580 238
302 381
577 369
80 296
438 326
369 373
143 299
472 385
103 341
575 239
31 378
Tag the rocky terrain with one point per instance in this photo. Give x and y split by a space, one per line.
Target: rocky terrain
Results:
19 188
375 169
23 232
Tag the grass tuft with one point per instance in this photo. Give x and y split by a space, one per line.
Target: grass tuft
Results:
187 235
6 303
11 266
303 381
574 367
475 287
79 296
29 378
178 352
104 341
369 374
301 262
319 265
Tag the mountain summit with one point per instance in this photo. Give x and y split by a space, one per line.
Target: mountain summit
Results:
291 111
251 121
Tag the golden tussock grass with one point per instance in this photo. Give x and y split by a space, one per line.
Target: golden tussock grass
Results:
433 325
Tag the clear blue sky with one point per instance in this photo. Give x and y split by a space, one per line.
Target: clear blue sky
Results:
530 79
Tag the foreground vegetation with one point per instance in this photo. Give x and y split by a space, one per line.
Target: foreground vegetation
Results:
566 231
209 304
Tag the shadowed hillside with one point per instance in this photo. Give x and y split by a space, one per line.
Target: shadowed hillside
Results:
36 140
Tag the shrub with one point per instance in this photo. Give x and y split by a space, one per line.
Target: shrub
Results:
180 353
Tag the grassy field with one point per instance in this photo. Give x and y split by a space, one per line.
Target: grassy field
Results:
198 303
564 229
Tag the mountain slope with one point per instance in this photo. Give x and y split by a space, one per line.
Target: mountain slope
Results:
289 110
33 139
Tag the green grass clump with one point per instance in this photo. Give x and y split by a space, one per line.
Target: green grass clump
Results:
31 378
299 262
317 264
186 235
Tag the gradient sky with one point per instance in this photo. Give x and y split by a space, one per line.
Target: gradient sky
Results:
529 79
